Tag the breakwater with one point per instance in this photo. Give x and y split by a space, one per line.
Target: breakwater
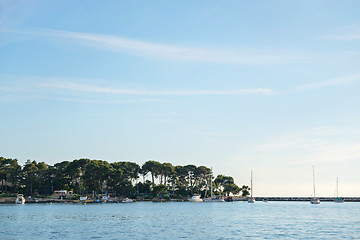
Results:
300 199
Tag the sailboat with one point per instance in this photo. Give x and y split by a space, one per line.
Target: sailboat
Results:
213 198
337 199
314 200
251 199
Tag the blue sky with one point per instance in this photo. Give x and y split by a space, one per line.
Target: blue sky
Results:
268 86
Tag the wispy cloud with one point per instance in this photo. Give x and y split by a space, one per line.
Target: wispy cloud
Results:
343 37
214 134
85 90
65 86
346 80
339 81
315 145
173 52
75 87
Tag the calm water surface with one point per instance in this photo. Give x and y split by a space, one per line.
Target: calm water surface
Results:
181 220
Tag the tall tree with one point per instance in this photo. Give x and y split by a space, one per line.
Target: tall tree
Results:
167 169
9 173
154 168
30 176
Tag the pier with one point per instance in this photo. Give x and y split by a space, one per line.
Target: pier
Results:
300 199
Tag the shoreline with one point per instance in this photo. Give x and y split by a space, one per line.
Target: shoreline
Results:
259 199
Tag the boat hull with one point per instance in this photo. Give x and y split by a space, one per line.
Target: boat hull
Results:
338 200
20 199
315 201
195 199
214 200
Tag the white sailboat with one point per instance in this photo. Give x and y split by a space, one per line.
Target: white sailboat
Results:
314 200
213 198
251 199
337 199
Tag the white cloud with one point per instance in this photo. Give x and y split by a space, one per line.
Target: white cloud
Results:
64 89
70 86
173 52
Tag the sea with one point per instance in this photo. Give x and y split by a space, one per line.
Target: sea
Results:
180 220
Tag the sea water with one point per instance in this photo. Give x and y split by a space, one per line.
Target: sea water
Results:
181 220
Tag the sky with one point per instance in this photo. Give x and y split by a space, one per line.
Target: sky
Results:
265 86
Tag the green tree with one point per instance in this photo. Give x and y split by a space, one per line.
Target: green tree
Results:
30 177
166 169
9 173
226 184
245 190
76 172
154 168
97 175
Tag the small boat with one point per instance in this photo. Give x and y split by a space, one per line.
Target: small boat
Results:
314 200
20 199
229 199
104 198
251 199
265 200
338 199
195 198
127 200
214 199
83 198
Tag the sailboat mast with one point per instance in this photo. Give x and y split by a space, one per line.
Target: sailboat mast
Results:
211 190
337 187
314 178
251 184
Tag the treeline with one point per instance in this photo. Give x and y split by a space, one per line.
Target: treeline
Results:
127 179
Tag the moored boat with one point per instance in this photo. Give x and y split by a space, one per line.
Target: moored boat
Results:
229 199
195 198
83 198
338 199
314 200
212 197
127 200
20 199
251 199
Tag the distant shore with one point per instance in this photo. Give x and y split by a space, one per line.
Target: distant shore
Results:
279 199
